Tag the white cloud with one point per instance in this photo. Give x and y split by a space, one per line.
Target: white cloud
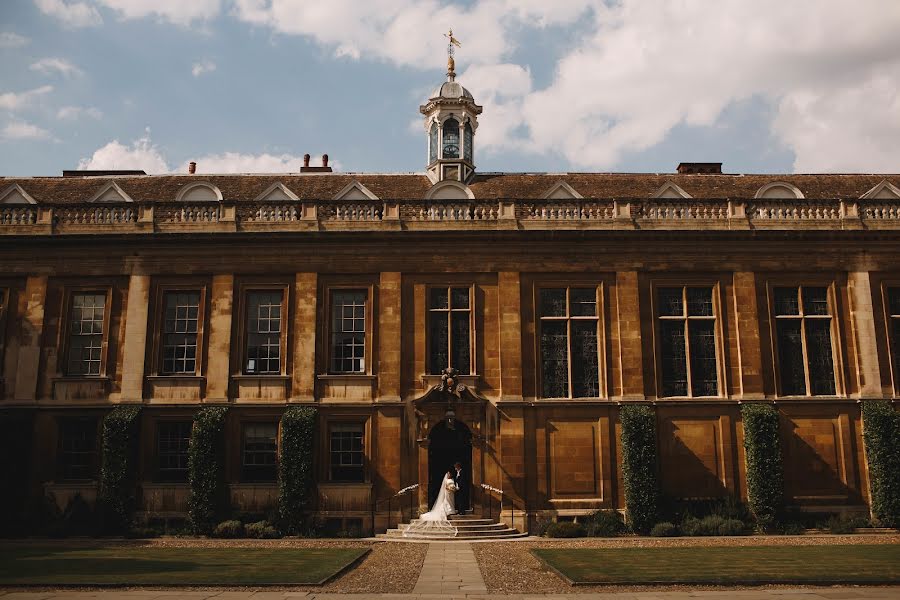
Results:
49 66
235 162
72 14
10 39
202 67
13 101
141 154
180 12
22 130
73 113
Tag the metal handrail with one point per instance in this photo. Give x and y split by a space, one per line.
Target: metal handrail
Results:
407 490
490 491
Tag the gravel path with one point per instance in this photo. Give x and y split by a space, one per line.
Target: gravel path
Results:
510 568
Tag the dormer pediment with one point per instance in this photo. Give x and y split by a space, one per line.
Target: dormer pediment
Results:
670 190
779 190
883 191
111 192
277 192
561 191
449 190
200 191
14 194
355 191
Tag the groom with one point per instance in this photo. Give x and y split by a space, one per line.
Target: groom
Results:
462 495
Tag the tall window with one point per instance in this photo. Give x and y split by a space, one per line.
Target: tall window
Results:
346 449
348 331
433 143
173 438
84 353
570 363
449 329
893 297
803 333
260 452
468 140
451 138
77 448
180 328
263 354
687 341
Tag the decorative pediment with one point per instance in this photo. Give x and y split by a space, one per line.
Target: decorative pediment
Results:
449 190
14 194
561 191
277 192
779 190
670 190
450 390
111 192
883 191
355 191
200 191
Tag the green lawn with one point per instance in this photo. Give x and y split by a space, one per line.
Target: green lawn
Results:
750 564
121 565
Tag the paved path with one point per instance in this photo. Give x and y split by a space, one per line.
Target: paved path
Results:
450 569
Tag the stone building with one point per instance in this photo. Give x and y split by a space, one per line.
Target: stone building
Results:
555 298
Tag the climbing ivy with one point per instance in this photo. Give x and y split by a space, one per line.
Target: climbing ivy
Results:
118 464
295 467
206 457
639 466
881 432
765 472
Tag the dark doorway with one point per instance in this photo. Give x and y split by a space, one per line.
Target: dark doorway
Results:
447 446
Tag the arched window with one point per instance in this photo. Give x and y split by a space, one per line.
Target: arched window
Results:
433 143
451 139
468 138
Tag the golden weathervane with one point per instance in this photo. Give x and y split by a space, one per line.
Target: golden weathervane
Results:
451 64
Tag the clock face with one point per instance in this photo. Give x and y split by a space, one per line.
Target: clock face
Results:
451 151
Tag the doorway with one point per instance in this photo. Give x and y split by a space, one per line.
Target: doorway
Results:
445 447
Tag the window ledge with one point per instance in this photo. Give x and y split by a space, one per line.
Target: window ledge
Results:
174 377
346 376
272 377
812 398
79 378
72 484
246 485
150 485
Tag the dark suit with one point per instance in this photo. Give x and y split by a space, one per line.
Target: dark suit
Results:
462 493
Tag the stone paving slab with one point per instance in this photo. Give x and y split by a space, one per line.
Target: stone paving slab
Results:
447 593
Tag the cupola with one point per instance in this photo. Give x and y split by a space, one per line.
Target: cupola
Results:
451 119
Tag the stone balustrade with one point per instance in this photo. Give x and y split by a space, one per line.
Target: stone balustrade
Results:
330 215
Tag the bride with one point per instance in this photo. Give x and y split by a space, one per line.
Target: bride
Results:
435 521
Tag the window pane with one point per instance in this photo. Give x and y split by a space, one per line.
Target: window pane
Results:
438 358
263 333
815 301
85 334
895 346
790 357
437 298
554 359
894 301
347 452
671 303
461 350
460 297
172 442
433 143
786 302
704 380
673 358
182 310
700 302
818 348
451 138
348 332
585 366
469 135
260 452
553 302
77 446
583 302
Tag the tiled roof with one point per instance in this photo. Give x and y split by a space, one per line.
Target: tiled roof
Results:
414 185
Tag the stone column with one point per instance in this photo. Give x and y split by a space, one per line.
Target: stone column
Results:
389 337
509 291
135 344
303 380
749 348
862 321
218 366
631 355
31 331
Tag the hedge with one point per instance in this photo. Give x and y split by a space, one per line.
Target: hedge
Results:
295 468
639 466
881 433
118 465
765 471
206 457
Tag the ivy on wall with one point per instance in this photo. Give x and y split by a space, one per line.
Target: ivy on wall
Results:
295 467
118 465
881 433
765 471
639 466
206 468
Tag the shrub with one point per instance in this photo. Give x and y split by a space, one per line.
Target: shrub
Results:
77 519
793 528
115 498
541 524
664 529
261 530
732 527
295 469
206 469
881 433
142 533
840 525
639 466
565 529
604 523
229 529
765 478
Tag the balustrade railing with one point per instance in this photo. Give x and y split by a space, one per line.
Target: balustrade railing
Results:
453 211
566 211
188 213
269 213
18 215
799 210
682 210
353 211
96 215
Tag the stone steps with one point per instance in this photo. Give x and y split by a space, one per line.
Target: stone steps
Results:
468 527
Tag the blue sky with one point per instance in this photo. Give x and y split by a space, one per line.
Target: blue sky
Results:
570 85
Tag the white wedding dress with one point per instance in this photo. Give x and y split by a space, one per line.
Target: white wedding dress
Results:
436 521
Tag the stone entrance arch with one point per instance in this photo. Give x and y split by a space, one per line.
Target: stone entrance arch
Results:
446 446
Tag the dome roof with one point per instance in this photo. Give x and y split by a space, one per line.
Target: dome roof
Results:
451 89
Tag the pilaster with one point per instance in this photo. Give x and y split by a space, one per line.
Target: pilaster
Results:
510 298
30 333
631 356
749 348
135 343
389 337
219 350
303 377
862 322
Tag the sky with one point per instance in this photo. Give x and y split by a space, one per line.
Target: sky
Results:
768 86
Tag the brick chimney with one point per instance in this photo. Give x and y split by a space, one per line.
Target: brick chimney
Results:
192 167
308 169
306 160
693 168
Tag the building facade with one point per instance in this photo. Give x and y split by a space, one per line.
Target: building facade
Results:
548 301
